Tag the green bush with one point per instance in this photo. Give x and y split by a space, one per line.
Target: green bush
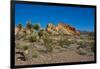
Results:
81 38
33 37
36 27
18 47
40 33
48 43
80 43
65 42
82 53
25 47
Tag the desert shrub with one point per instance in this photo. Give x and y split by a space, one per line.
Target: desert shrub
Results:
86 47
81 38
83 44
25 47
47 43
49 48
82 51
21 47
92 46
18 47
62 43
36 27
33 37
40 33
80 43
30 53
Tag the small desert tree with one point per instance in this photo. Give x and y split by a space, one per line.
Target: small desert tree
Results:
36 27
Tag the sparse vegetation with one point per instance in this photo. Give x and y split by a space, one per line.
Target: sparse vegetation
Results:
18 46
47 42
33 37
80 43
40 33
40 44
66 42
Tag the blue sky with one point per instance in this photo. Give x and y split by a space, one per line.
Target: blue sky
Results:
78 17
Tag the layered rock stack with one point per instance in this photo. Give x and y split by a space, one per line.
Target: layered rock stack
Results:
62 28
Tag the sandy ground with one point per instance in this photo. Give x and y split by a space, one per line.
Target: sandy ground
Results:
64 56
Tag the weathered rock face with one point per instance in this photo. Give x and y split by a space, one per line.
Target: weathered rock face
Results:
62 28
23 31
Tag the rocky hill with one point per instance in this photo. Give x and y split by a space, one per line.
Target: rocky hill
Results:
62 28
